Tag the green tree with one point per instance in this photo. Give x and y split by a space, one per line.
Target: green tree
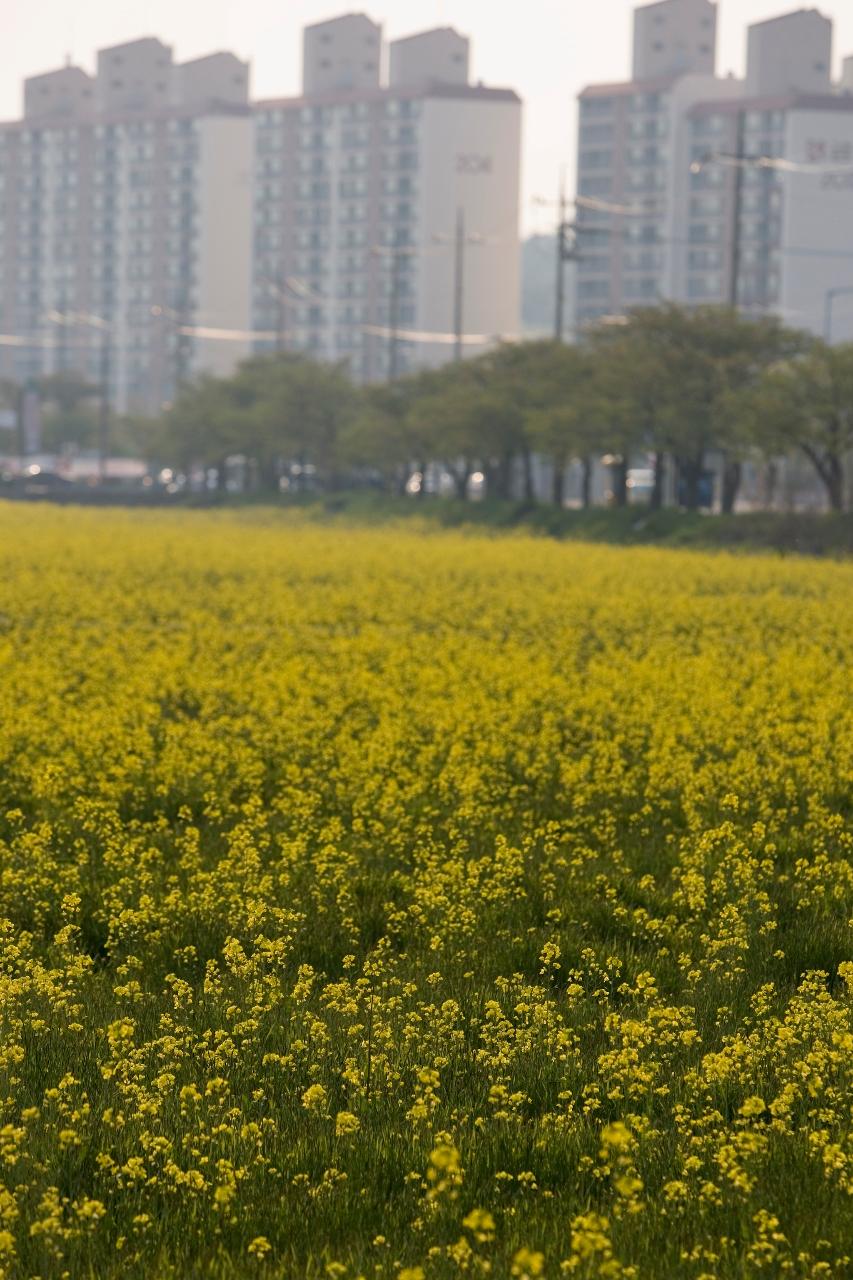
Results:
629 371
702 358
295 411
205 426
807 403
71 410
378 437
280 412
563 417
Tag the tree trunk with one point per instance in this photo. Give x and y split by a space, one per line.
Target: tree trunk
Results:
504 477
691 470
221 476
619 471
422 467
732 475
771 479
829 467
835 483
461 478
529 493
269 474
558 482
656 497
586 482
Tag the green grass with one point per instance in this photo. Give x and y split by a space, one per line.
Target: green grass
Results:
826 534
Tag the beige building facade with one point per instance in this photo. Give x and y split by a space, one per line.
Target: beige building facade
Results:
156 224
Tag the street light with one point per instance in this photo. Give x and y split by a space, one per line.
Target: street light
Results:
459 240
398 253
829 300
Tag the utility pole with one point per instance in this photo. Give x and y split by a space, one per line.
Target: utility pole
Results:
281 316
459 283
394 314
566 252
828 301
180 320
62 342
740 158
104 414
732 467
562 240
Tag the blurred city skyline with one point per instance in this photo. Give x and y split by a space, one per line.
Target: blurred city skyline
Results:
562 50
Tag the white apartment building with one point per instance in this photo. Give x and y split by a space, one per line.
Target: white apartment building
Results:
386 215
702 189
125 212
155 224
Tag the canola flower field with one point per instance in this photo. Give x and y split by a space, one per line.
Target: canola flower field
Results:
410 905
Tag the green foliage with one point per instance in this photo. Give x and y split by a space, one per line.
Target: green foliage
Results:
275 410
807 403
669 380
70 411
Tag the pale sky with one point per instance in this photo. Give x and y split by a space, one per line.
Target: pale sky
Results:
545 49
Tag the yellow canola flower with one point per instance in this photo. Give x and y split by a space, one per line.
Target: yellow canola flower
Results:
527 1264
432 894
346 1122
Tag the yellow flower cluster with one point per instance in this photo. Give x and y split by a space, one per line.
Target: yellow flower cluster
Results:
408 906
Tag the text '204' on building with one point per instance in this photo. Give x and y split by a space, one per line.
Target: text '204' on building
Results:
704 189
155 223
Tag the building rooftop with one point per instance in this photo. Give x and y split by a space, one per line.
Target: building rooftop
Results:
622 88
178 112
418 35
784 17
340 97
776 102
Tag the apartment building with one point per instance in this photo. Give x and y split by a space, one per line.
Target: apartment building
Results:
386 214
703 189
156 224
125 219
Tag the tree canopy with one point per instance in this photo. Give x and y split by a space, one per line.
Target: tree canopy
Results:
667 381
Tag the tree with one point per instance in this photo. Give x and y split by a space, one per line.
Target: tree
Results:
463 419
295 411
278 411
807 403
701 358
380 435
71 416
629 373
564 420
203 427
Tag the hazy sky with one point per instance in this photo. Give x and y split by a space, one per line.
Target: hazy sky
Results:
546 49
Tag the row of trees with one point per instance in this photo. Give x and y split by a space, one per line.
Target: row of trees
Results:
667 382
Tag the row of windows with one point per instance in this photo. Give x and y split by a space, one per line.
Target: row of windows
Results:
346 189
766 229
321 214
392 109
321 166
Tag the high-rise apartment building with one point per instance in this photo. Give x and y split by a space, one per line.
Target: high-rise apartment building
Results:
702 189
386 217
155 224
125 218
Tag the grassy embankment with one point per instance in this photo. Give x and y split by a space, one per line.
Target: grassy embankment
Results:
830 535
